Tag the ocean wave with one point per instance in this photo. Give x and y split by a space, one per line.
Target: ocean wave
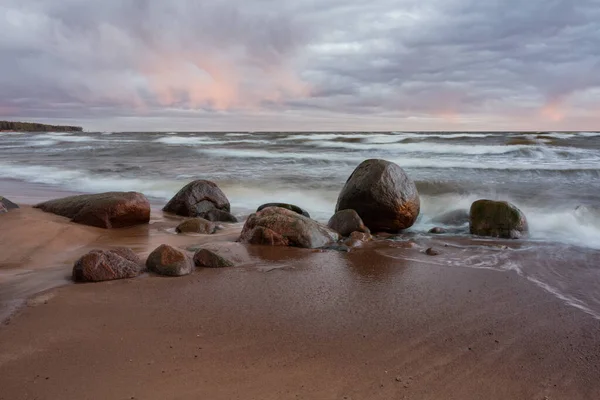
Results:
188 140
64 137
460 149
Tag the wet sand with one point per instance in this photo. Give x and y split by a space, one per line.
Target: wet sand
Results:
382 322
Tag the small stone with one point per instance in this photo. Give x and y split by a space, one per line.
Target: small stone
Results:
438 230
432 252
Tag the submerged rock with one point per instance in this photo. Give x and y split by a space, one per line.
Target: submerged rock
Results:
6 205
437 230
452 218
103 210
362 236
287 206
106 265
383 195
499 219
210 259
345 222
169 261
196 225
197 199
432 252
286 228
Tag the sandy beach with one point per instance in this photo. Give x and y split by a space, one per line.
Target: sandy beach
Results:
383 321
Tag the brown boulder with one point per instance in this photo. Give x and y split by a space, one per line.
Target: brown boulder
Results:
287 227
209 259
263 236
198 198
383 196
216 215
497 219
169 261
345 222
196 225
103 210
287 206
106 265
6 205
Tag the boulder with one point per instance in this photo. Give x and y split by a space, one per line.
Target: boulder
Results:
169 261
290 207
345 222
198 198
219 216
497 219
452 218
286 228
6 205
196 225
103 210
263 236
107 265
383 195
209 259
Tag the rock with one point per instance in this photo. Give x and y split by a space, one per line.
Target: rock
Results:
432 252
452 218
383 195
286 227
167 260
362 236
219 216
290 207
437 230
106 265
497 219
345 222
341 247
6 205
263 236
209 259
352 243
103 210
198 198
196 225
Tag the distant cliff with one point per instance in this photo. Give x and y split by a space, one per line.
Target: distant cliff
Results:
33 127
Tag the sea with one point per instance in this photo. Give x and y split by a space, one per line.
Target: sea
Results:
553 177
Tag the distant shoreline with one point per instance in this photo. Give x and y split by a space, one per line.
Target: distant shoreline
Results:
15 126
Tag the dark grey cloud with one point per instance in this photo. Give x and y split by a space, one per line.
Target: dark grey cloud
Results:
269 64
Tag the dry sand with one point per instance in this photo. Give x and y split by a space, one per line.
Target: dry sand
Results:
289 324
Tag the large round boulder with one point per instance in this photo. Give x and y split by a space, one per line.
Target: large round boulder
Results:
287 206
6 205
345 222
285 227
383 195
103 210
106 265
169 261
499 219
197 199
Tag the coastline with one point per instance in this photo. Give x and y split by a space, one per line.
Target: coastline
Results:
383 321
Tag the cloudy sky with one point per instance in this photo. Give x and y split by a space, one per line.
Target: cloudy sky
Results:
302 64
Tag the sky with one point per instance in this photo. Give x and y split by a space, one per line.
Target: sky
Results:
302 65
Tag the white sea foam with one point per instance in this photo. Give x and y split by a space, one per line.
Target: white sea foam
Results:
237 134
64 137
